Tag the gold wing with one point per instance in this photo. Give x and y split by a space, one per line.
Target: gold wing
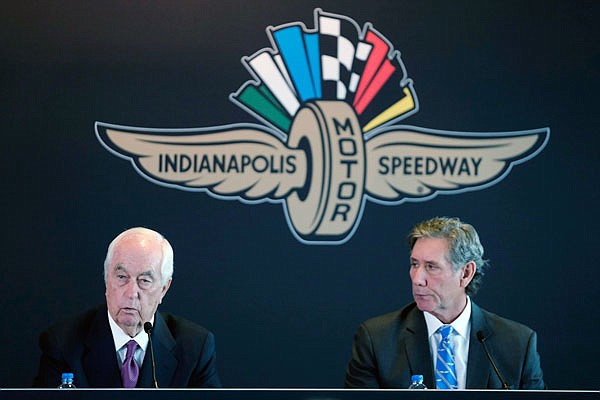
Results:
415 163
242 161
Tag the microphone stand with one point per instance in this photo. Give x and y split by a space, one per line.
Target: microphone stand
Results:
481 337
148 329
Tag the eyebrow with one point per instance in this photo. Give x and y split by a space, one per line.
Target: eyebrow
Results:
120 267
426 261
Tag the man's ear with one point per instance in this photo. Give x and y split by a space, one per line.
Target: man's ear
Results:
165 289
467 274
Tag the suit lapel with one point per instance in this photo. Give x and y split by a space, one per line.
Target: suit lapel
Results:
164 356
99 354
417 347
478 371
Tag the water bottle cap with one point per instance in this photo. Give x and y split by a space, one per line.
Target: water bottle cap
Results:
417 378
67 375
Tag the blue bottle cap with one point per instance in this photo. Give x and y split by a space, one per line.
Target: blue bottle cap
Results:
417 378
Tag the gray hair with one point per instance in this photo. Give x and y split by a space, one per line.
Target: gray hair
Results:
166 267
463 242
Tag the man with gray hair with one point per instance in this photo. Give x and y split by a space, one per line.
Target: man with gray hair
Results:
108 346
443 335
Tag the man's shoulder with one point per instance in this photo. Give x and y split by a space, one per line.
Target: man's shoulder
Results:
182 327
73 329
498 324
394 320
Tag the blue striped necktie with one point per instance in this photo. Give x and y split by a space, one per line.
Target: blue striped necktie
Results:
445 372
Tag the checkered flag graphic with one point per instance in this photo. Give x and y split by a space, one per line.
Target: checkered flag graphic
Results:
337 60
360 59
343 55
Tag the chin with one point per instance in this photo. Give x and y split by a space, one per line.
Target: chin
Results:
425 306
130 321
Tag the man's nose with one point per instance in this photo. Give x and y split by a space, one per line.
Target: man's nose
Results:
131 290
418 276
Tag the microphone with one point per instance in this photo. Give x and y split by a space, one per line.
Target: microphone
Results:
148 329
482 338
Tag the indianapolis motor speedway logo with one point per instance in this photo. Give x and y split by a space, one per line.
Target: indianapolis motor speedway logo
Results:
328 99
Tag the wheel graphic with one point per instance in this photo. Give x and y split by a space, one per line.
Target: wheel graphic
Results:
329 204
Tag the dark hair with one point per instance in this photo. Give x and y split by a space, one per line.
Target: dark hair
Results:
463 242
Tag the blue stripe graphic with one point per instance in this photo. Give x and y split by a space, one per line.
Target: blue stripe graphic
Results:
291 44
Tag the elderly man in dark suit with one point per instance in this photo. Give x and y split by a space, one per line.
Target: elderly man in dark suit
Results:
108 347
443 335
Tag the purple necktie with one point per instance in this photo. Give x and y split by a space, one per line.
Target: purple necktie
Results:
130 370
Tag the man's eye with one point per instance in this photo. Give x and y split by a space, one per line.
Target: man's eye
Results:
145 282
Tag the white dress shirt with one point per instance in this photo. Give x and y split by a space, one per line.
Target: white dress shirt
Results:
121 338
459 340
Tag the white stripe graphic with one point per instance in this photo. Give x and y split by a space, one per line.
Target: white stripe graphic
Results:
266 69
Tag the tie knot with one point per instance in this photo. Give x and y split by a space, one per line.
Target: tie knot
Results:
445 331
131 346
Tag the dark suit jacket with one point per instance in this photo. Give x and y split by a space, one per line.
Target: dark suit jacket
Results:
184 353
390 348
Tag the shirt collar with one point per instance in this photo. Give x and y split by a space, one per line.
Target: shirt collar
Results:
460 324
120 338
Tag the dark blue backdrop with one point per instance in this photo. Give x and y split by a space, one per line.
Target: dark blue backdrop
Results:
284 313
